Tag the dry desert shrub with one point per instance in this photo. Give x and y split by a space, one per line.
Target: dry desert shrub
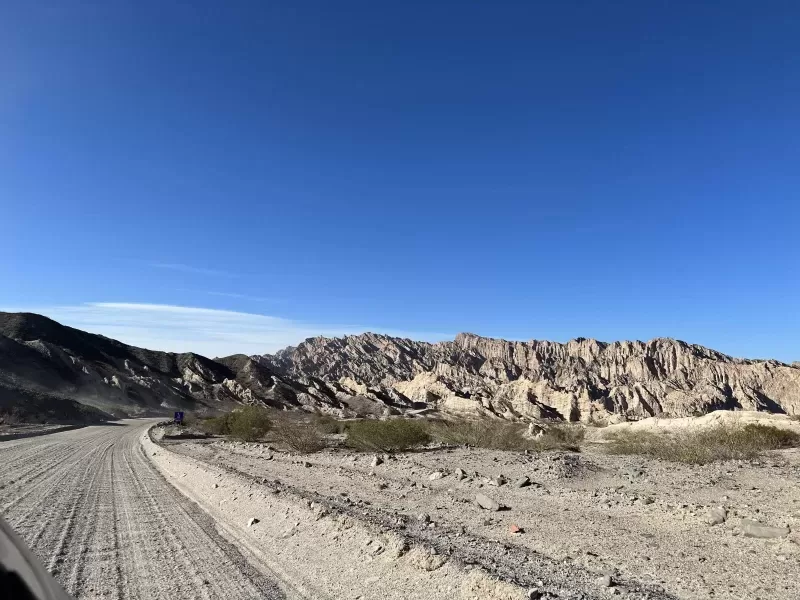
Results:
300 435
502 435
730 441
248 423
393 435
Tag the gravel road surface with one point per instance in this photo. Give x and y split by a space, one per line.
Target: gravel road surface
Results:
100 517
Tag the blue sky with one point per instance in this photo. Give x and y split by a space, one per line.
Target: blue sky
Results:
525 170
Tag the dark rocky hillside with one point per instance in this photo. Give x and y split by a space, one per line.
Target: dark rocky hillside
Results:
56 373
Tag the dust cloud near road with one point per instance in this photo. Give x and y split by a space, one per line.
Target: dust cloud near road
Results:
106 524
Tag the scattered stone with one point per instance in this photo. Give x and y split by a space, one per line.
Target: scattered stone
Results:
252 521
497 481
215 486
755 529
383 486
460 474
522 482
306 464
426 559
376 460
487 503
435 475
425 518
717 516
605 581
515 529
632 473
646 500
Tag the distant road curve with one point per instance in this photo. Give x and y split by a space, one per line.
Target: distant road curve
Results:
92 507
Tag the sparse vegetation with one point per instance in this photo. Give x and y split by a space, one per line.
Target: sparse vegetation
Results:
329 425
497 435
215 425
248 423
387 436
501 435
704 445
300 436
404 434
559 437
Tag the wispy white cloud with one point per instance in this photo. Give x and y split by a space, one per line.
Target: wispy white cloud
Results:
244 297
207 331
194 270
235 295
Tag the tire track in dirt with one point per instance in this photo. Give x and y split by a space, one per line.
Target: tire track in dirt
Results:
106 523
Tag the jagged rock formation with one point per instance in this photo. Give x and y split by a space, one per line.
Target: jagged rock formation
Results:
582 380
51 371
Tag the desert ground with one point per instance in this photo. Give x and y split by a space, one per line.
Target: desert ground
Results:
119 512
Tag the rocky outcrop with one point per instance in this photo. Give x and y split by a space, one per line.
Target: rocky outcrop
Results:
42 361
583 379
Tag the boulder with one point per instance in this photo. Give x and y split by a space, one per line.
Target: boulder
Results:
755 529
717 516
487 503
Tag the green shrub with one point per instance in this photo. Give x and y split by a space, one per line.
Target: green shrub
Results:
704 445
559 437
216 425
328 424
388 436
502 435
249 423
496 435
300 436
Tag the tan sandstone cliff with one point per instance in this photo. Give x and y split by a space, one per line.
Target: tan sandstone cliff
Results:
582 380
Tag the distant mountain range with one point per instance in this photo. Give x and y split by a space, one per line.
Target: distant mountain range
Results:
56 373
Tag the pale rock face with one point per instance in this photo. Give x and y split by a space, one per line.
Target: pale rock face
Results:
580 380
238 391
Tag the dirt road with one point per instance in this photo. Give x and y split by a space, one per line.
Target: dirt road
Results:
100 517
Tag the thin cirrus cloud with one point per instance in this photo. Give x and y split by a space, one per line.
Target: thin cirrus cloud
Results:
235 295
244 297
193 270
206 331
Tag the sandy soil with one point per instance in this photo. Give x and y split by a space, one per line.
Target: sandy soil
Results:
101 518
114 514
586 515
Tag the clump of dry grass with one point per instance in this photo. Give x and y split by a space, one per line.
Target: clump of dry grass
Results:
704 445
501 435
393 435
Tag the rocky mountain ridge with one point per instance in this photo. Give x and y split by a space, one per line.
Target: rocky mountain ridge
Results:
581 380
50 372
